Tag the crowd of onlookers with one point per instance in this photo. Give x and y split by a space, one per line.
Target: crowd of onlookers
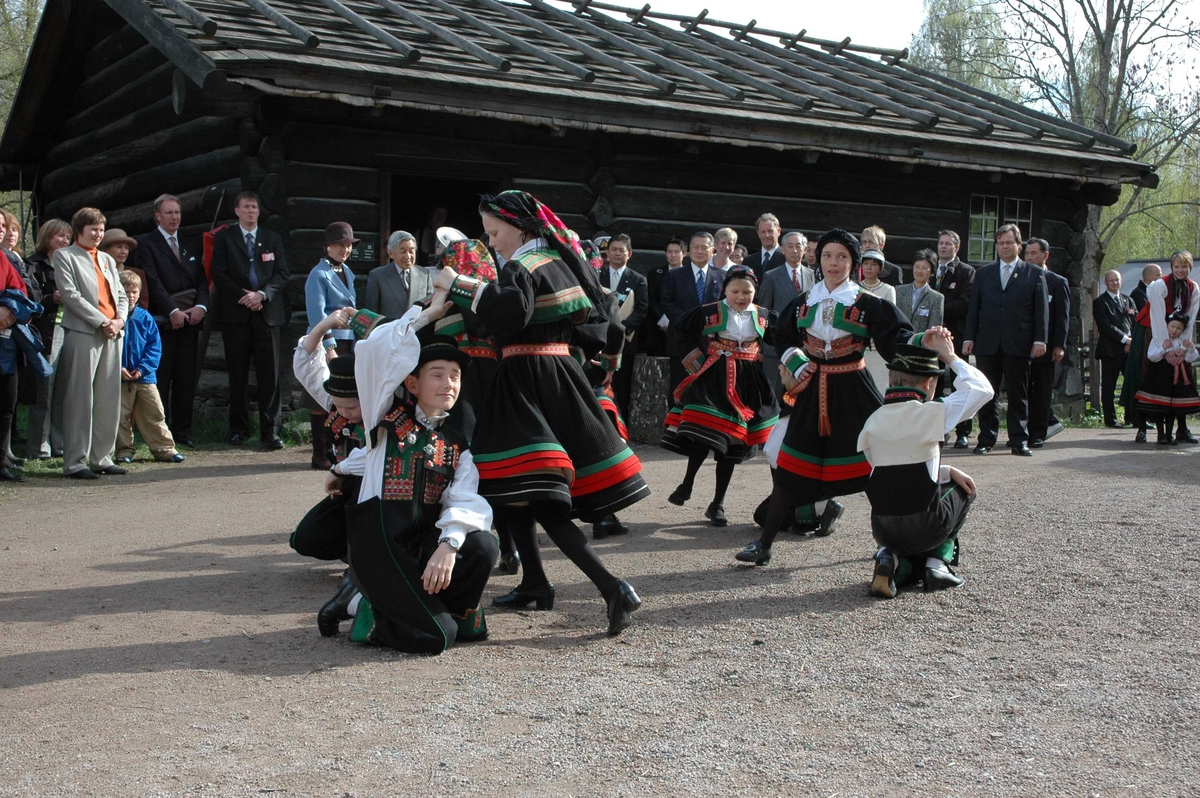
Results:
101 332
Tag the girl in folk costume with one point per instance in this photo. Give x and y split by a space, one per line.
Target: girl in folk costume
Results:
545 450
1174 293
1168 389
726 405
417 529
828 329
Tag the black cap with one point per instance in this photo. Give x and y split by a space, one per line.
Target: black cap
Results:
341 382
916 360
847 240
442 347
739 272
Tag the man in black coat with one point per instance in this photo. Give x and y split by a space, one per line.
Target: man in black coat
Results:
249 269
1041 370
654 328
633 295
1007 326
771 254
1114 313
954 280
694 284
179 300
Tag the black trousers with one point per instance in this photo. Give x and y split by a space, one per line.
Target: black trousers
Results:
260 341
945 385
1041 393
1014 372
622 382
177 377
8 408
916 534
321 533
1110 369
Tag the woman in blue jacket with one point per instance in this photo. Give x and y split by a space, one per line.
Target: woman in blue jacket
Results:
330 287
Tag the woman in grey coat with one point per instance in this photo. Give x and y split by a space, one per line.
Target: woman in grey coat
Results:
918 300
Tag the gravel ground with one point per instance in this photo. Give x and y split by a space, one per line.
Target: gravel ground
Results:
159 639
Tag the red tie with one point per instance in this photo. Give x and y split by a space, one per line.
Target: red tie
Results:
796 280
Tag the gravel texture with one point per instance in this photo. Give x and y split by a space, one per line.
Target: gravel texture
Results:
158 638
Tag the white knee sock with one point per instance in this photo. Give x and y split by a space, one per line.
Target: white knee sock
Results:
352 607
935 564
819 507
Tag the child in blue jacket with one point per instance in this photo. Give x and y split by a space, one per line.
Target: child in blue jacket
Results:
140 402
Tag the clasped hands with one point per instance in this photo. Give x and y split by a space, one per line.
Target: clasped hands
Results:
251 299
112 328
193 315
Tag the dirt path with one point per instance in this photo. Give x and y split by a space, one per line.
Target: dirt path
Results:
157 637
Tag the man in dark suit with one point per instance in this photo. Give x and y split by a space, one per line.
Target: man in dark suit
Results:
779 287
633 295
1007 326
179 299
875 238
1114 313
771 254
954 280
1043 423
654 329
249 268
691 286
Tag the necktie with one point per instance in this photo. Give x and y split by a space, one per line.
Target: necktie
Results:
1005 274
613 280
253 276
766 257
404 279
700 288
174 247
796 280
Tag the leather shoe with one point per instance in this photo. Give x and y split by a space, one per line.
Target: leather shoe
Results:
716 514
606 526
1165 439
509 563
83 473
1022 451
961 442
621 605
981 449
175 458
124 459
680 496
8 475
1140 437
1185 437
754 553
336 609
237 439
18 462
883 584
941 579
1036 443
833 511
111 471
274 443
521 597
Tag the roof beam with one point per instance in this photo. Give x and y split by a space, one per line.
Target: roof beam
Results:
583 73
655 58
202 22
411 54
450 37
662 84
166 38
309 38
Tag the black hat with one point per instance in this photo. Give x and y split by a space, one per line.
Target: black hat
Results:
917 360
341 382
1178 316
847 240
740 272
441 347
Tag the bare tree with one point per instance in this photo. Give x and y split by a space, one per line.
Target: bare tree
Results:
962 39
18 25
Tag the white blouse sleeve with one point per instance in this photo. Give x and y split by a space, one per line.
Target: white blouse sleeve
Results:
311 371
353 464
1155 351
1156 295
381 363
463 509
971 392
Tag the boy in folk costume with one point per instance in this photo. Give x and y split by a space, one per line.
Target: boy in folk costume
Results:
419 547
918 505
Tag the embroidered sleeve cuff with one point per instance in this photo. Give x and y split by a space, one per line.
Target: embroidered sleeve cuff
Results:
693 360
611 362
794 359
463 291
917 339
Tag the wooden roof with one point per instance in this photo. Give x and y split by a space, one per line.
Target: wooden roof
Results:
599 66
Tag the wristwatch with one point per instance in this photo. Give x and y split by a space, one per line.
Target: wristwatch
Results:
451 542
333 470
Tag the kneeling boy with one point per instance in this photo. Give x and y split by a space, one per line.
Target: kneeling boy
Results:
918 505
420 548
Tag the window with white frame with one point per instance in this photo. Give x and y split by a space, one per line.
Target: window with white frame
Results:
981 241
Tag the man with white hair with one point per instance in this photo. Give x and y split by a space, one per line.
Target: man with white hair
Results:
779 287
394 288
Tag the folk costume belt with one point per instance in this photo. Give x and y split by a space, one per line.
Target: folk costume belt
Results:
536 350
842 347
476 350
822 372
732 351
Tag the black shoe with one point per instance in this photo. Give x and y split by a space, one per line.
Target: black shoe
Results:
680 496
175 458
521 597
111 471
237 439
621 605
1036 443
1185 437
833 511
883 584
941 579
273 443
1140 437
1022 451
961 442
83 473
716 514
8 475
17 462
606 526
754 553
124 459
509 563
981 449
1165 439
336 609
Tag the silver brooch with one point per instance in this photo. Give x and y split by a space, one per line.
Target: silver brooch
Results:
429 448
412 438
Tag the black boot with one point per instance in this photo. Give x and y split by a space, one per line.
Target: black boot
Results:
335 610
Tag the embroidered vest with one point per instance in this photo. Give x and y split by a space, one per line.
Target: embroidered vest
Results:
346 435
419 467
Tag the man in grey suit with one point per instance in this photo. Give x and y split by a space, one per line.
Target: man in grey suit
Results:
396 287
780 286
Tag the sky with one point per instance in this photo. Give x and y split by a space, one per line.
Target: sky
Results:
881 23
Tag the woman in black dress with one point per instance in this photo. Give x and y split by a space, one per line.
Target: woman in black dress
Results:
546 453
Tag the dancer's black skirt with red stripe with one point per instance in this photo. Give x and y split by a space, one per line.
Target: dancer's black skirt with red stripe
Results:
1168 390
